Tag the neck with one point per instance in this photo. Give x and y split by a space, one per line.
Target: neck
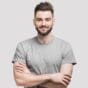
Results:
45 39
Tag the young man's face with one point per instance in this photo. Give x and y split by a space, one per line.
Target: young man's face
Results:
43 22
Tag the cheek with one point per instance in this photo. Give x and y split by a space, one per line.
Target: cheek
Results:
50 24
38 24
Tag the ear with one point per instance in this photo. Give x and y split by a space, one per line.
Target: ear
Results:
54 20
34 21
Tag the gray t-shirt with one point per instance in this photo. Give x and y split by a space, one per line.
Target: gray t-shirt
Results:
44 58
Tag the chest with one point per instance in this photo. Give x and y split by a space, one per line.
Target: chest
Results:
44 55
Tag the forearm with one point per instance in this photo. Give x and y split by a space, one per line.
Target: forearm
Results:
24 77
51 84
30 80
34 80
67 69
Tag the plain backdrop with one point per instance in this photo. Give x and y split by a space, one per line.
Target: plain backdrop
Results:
71 24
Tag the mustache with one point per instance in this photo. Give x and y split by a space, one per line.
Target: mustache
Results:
43 26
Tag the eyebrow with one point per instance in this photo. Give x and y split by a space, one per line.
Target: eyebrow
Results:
45 18
40 19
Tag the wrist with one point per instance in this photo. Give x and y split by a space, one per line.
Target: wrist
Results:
47 76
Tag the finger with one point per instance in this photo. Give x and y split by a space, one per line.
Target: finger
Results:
68 75
67 78
20 71
66 81
18 68
22 64
63 83
19 65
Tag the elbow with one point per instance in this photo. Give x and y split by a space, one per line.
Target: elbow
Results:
20 82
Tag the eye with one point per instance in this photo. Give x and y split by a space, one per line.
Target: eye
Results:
48 19
38 19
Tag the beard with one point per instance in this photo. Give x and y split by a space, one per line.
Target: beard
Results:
45 33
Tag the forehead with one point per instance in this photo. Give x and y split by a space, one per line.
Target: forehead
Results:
44 14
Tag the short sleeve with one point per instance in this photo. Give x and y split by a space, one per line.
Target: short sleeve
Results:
19 54
68 55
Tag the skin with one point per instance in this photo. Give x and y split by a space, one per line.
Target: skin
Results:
43 22
24 77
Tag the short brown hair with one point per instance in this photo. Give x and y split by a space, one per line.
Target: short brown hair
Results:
43 6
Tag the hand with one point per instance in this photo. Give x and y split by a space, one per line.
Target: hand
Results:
21 67
60 78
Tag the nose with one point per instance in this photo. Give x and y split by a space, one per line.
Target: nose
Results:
43 22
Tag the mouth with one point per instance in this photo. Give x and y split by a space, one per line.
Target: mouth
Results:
43 29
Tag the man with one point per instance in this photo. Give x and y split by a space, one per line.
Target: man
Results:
43 61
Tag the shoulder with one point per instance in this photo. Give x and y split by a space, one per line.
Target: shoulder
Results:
63 44
26 44
62 41
27 41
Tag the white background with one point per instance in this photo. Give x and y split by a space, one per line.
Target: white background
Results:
71 25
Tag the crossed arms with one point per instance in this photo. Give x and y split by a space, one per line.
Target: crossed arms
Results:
24 77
